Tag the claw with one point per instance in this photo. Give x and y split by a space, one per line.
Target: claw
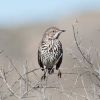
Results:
43 77
59 74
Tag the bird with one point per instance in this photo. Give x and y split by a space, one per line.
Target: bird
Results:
50 51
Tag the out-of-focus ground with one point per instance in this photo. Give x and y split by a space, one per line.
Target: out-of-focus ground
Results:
21 44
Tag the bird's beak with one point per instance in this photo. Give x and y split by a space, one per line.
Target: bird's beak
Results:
61 31
58 33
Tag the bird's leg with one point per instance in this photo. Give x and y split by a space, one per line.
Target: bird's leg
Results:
44 75
59 73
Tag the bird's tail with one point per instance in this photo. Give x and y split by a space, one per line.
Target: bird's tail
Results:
50 70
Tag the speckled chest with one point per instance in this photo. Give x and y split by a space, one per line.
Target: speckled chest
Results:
50 52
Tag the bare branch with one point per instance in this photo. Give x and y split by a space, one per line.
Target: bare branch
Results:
29 83
92 71
80 48
84 88
5 81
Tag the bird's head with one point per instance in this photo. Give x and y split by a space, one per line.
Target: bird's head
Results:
53 33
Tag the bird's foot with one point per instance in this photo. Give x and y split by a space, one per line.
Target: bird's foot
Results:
43 77
59 74
37 86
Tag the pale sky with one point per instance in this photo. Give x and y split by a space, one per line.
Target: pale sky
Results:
19 11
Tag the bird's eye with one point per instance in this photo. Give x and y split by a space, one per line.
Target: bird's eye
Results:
53 31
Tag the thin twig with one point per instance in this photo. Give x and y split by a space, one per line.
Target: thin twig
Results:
63 91
84 88
89 62
29 83
31 88
5 81
80 48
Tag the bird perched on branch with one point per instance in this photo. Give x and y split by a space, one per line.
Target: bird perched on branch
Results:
50 52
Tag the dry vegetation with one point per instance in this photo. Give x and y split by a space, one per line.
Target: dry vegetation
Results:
28 85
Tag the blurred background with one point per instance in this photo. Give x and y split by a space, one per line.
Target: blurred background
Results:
23 12
23 22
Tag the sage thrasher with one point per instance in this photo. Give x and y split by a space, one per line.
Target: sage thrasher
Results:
50 52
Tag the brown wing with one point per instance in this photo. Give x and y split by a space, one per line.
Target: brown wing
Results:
59 60
39 60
